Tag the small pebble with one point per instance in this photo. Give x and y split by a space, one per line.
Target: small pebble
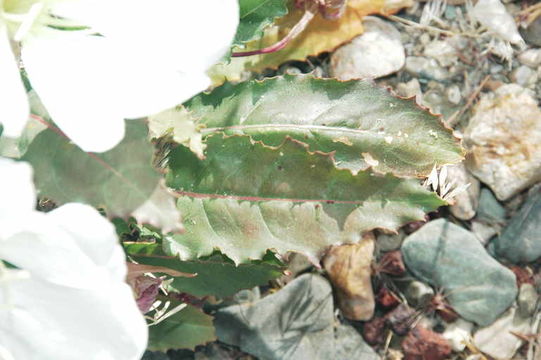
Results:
453 94
377 52
530 57
524 76
527 300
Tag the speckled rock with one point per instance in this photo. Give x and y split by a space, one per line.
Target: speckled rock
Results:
504 140
450 257
377 52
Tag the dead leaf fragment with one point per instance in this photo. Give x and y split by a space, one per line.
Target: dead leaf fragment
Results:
424 344
349 269
321 35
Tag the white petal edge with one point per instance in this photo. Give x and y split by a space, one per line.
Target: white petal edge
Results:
14 108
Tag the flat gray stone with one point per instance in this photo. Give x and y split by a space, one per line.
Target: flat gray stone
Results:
449 257
520 241
497 340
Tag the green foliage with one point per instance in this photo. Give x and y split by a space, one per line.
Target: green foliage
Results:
255 16
216 274
118 180
245 198
184 330
360 124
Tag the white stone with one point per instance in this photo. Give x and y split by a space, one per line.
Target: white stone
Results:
458 333
531 58
377 52
497 340
524 76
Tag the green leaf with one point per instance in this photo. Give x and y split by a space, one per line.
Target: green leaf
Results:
245 198
184 330
361 125
255 16
215 275
118 180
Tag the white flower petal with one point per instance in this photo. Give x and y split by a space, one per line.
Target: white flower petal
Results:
48 321
184 35
94 236
60 260
17 193
14 109
75 77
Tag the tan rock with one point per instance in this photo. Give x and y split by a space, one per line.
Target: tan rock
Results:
349 268
504 141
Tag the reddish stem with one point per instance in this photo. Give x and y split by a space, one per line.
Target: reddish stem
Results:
297 29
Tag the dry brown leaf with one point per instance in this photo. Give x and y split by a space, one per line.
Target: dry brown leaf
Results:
320 36
349 268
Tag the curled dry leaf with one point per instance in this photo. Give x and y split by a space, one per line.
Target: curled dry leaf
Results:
387 298
401 319
349 269
391 263
319 36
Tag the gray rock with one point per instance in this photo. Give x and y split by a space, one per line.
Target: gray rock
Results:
524 76
532 34
297 322
426 67
377 52
450 257
504 140
484 232
520 241
349 344
497 340
530 57
465 203
527 300
490 217
490 211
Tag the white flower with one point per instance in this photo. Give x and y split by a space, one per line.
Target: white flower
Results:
68 298
150 55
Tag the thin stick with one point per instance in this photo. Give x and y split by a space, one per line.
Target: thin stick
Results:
419 26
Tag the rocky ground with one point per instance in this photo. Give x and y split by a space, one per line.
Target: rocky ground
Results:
465 284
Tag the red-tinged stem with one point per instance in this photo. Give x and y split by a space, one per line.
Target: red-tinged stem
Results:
297 29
